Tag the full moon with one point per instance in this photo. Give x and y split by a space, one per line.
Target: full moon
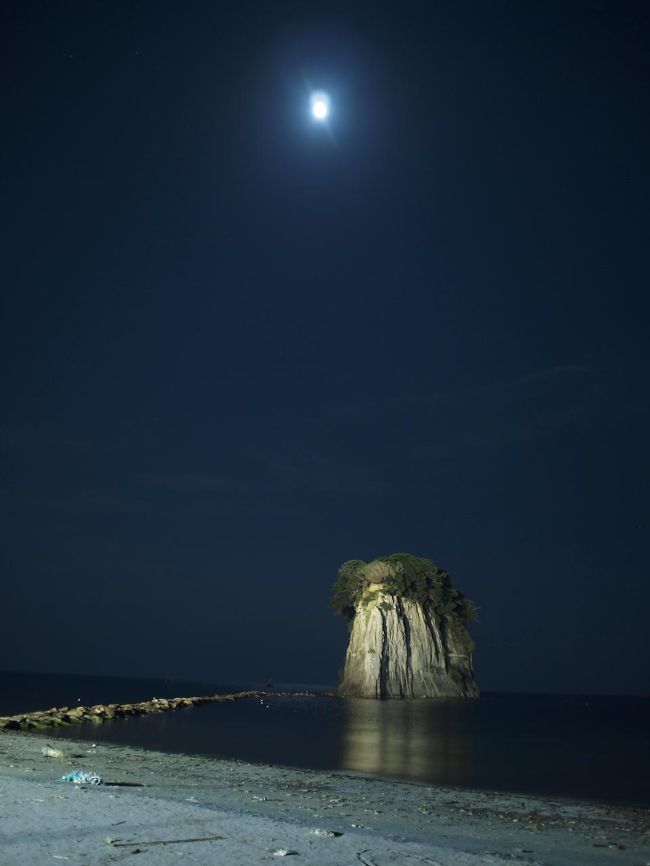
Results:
320 105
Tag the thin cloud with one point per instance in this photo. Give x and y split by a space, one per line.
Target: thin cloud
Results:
191 482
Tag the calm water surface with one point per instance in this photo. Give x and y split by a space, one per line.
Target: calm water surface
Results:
595 748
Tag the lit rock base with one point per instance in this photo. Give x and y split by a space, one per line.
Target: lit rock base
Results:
400 649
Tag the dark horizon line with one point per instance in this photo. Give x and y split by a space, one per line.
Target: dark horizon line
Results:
250 682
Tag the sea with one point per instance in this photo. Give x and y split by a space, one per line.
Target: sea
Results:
593 747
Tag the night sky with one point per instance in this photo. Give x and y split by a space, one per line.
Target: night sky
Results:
238 347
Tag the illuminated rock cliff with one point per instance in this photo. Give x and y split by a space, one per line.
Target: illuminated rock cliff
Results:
408 636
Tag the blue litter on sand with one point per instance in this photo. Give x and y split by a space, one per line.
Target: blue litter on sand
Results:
81 777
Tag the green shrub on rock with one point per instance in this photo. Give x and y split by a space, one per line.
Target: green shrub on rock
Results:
405 576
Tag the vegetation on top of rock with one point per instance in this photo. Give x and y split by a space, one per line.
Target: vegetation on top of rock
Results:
404 576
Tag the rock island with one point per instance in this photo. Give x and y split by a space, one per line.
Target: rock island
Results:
408 630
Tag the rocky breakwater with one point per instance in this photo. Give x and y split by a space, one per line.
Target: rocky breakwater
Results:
99 713
408 630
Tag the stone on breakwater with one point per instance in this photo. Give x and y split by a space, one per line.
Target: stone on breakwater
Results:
97 713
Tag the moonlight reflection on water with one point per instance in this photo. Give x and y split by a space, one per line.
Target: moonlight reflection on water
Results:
406 739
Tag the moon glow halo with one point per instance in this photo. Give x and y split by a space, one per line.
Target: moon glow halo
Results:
320 105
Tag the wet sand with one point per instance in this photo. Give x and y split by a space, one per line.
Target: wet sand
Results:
168 808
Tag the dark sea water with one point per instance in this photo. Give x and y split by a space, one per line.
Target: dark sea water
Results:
587 747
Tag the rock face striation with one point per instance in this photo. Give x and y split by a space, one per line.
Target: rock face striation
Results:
399 649
405 647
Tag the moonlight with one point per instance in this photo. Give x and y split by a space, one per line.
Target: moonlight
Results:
320 105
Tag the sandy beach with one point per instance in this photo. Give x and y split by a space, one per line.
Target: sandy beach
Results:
163 808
